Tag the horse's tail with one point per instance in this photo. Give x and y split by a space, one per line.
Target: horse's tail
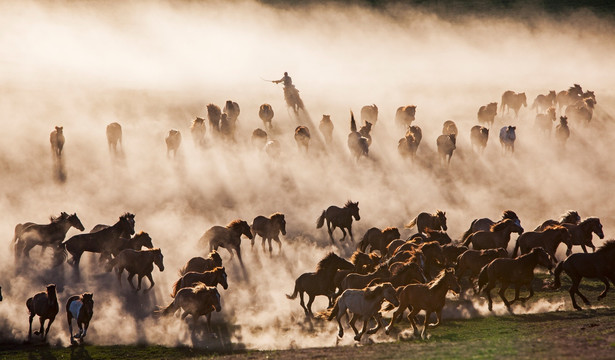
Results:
321 220
295 292
167 310
483 277
556 274
411 224
469 231
176 286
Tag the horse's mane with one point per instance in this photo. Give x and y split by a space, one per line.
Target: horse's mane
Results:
430 244
554 227
327 261
56 219
215 256
437 280
607 246
590 220
509 214
405 267
349 204
358 254
127 215
151 250
569 215
374 291
501 224
234 223
276 215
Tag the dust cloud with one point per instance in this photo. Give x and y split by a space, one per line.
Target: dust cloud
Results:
154 67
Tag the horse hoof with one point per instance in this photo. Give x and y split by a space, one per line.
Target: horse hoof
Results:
357 338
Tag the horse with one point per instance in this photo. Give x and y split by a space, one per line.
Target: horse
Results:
365 132
302 137
433 257
545 122
497 236
293 99
228 237
562 131
80 308
543 102
581 234
265 113
409 144
449 128
196 301
269 228
429 297
431 235
363 304
28 235
231 109
114 136
486 114
173 140
214 114
570 217
471 262
358 145
363 264
137 262
518 272
446 146
227 128
423 221
104 241
405 115
451 253
199 264
369 113
512 100
337 217
378 239
486 223
570 96
548 239
359 281
507 138
598 265
581 111
198 130
320 282
326 128
56 138
45 305
209 278
259 138
479 136
405 274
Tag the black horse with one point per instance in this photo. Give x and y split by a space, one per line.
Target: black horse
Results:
339 217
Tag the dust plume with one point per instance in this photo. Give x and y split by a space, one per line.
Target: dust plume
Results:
154 67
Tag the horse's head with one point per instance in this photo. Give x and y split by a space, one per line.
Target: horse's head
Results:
128 223
158 259
281 221
354 209
441 218
221 277
74 221
216 300
59 130
51 292
216 258
451 280
144 239
543 258
596 227
88 303
391 233
244 228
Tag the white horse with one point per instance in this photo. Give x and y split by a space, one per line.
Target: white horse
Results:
507 138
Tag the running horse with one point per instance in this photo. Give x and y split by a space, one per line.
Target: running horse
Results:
228 237
512 100
28 235
570 217
339 218
200 264
269 228
209 278
80 308
548 239
486 223
581 234
45 305
423 221
196 301
498 236
137 262
378 239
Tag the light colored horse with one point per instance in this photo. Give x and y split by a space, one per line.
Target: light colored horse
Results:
507 138
228 237
545 121
269 228
80 308
265 112
405 115
449 127
114 136
512 100
326 128
198 130
479 135
56 138
446 146
302 137
486 114
173 140
369 113
543 102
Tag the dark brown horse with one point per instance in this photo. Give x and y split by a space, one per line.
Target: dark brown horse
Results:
446 146
137 262
431 235
429 297
472 261
337 217
199 264
548 239
570 217
435 221
405 115
359 281
265 112
377 239
407 273
486 223
518 272
209 278
357 144
320 282
451 252
498 236
598 265
104 241
196 301
28 235
45 305
581 234
479 135
269 228
228 237
80 308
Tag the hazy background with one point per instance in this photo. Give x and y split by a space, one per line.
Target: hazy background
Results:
155 67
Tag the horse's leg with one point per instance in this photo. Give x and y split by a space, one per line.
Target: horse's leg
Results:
379 324
230 250
330 230
502 294
302 303
358 336
30 330
263 243
438 318
531 289
139 278
130 276
352 322
119 275
343 232
412 320
425 325
309 304
41 331
340 328
270 247
151 281
350 233
584 249
277 239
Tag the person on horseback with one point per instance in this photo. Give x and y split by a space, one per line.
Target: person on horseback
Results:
291 94
286 80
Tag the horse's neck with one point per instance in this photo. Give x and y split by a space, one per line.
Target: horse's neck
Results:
439 289
530 259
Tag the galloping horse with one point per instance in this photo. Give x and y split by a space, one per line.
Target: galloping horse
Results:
562 131
449 128
302 137
339 218
446 145
581 234
365 132
29 234
486 113
378 239
45 305
599 265
363 304
405 115
173 140
479 136
472 261
357 144
429 297
507 138
198 130
199 264
512 100
265 112
209 278
103 241
196 301
228 237
570 217
498 236
80 308
403 275
548 239
320 282
545 121
409 144
435 221
543 102
137 262
359 281
326 128
486 223
369 113
269 228
518 271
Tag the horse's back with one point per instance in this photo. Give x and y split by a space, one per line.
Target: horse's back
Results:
217 234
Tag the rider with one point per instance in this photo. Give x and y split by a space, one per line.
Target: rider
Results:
288 82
